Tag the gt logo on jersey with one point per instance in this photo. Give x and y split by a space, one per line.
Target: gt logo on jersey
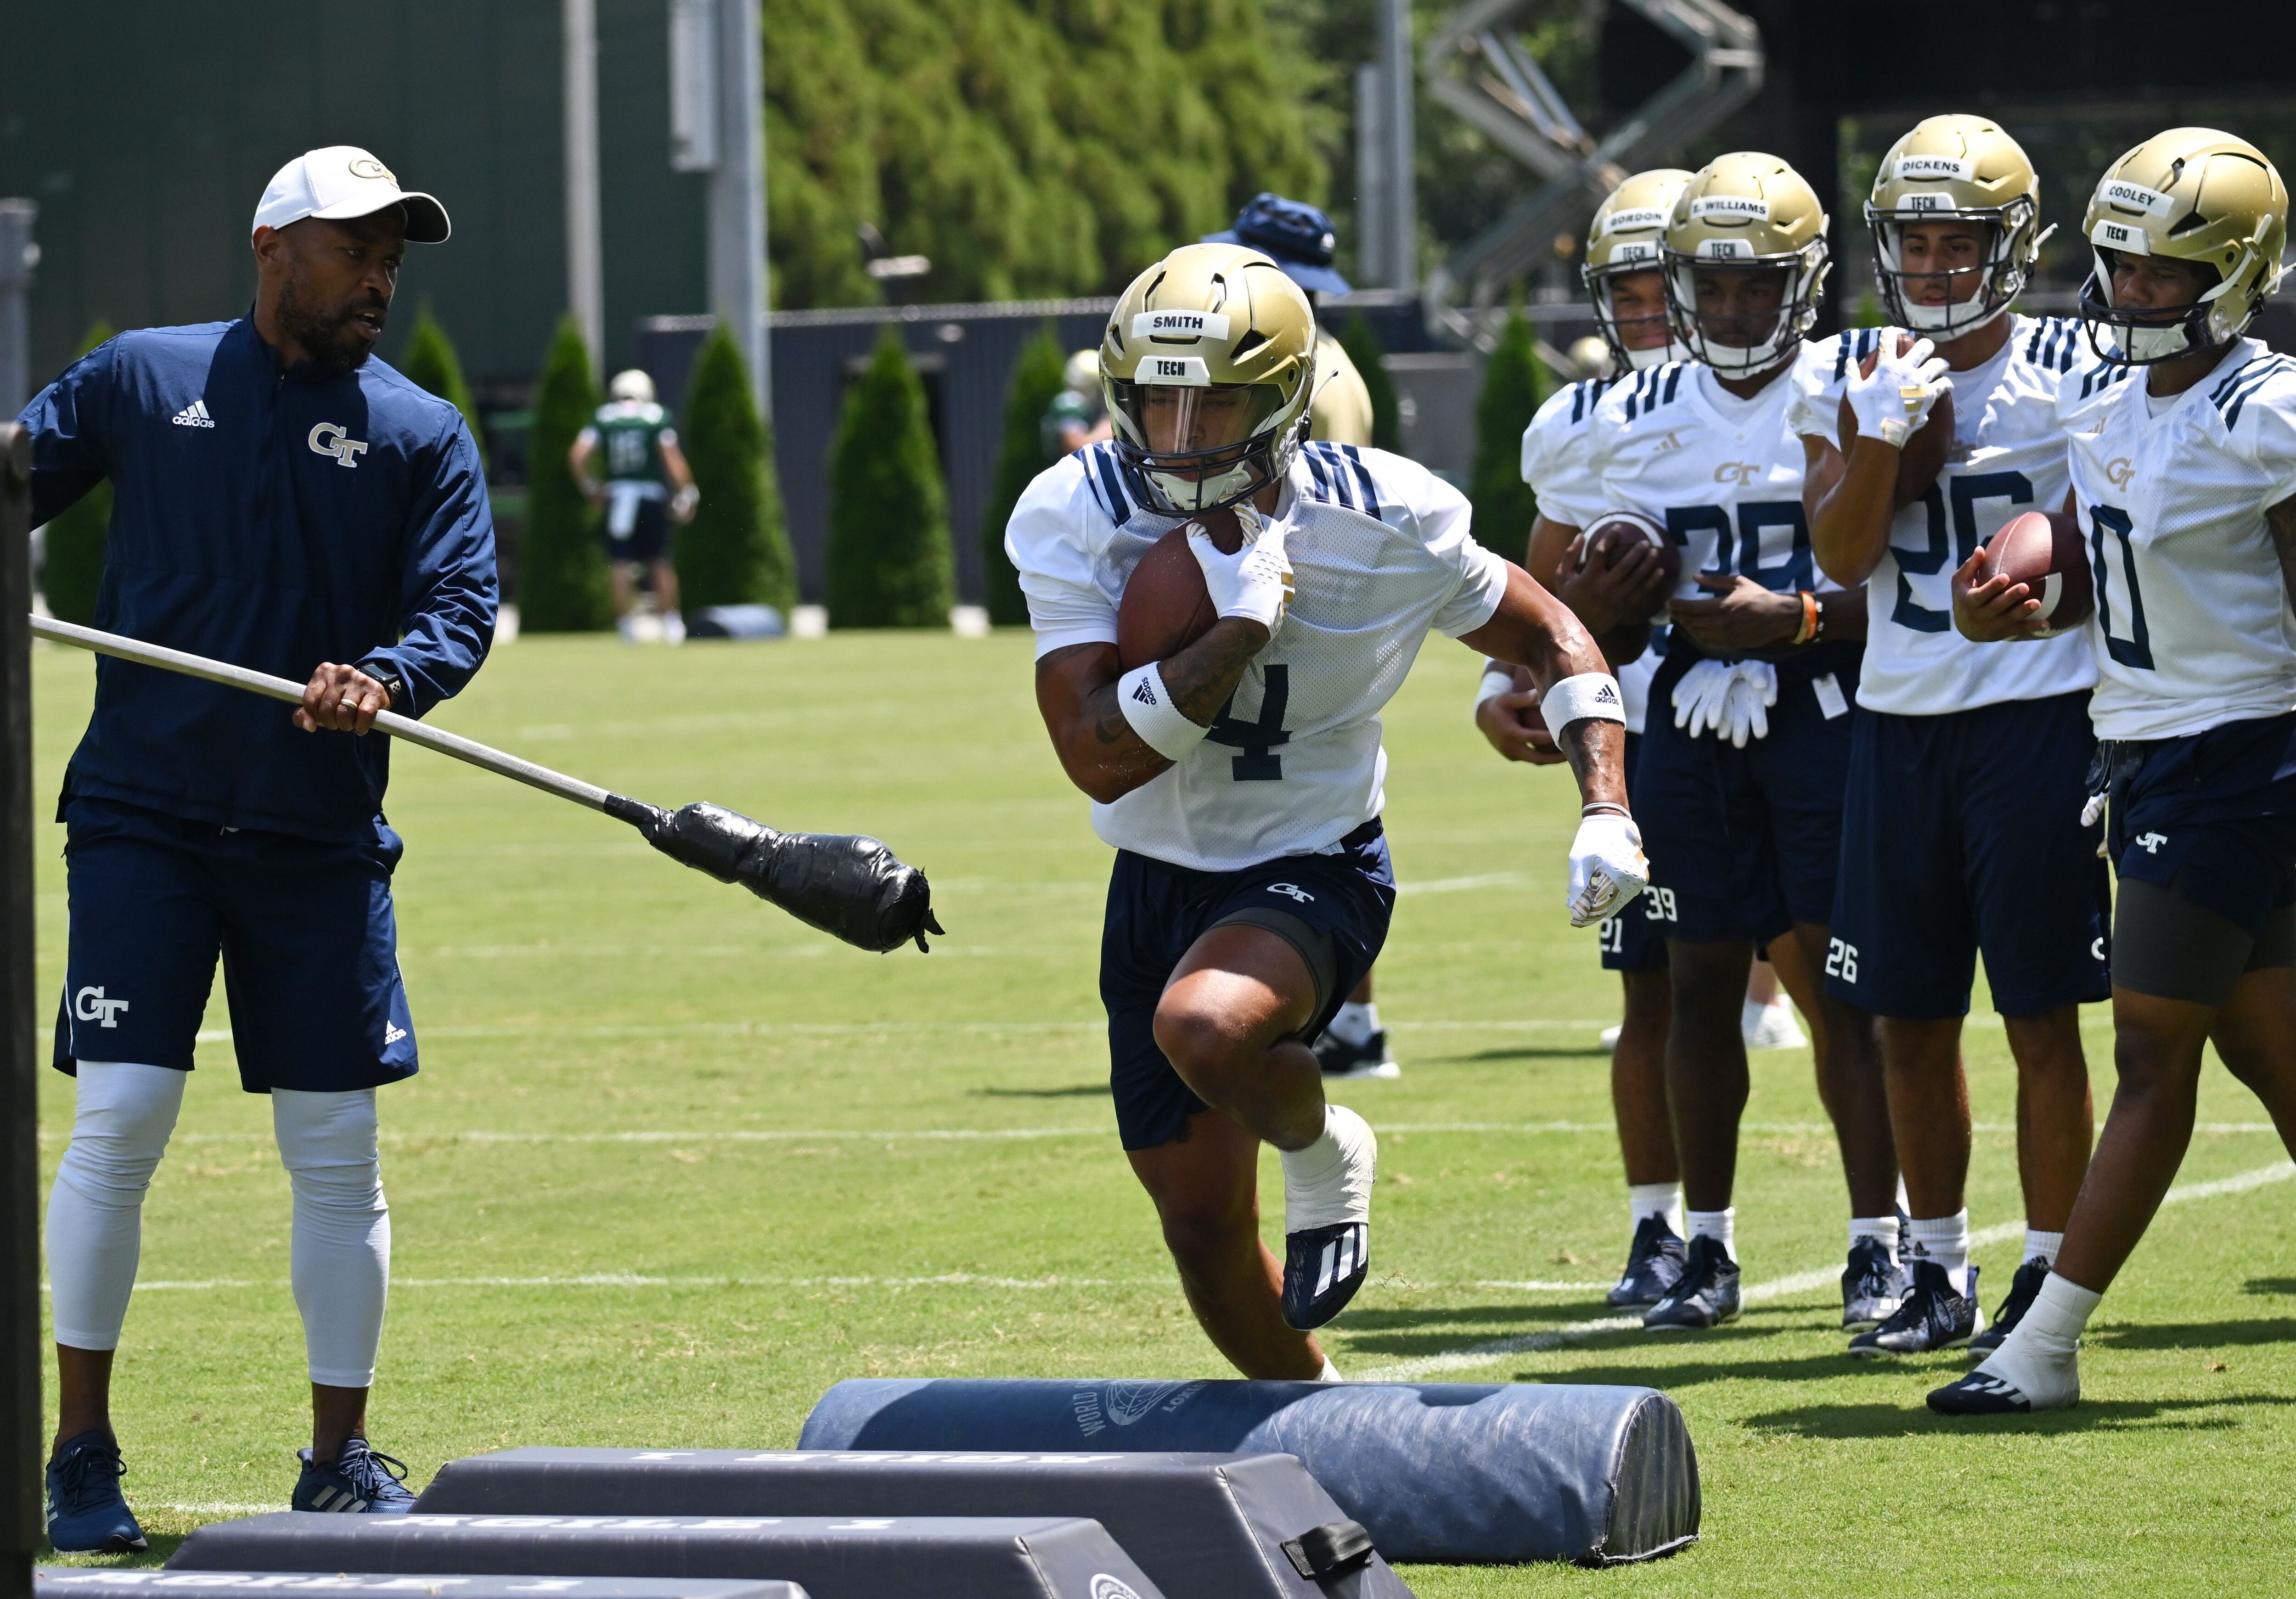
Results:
2117 472
89 1004
332 439
1737 473
2150 842
1841 960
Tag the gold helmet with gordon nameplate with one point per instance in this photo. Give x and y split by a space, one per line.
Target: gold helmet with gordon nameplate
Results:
1963 168
1746 210
1628 228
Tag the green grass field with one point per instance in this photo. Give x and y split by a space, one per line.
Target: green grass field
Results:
675 1164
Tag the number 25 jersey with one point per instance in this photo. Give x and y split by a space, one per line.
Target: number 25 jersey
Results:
1380 552
2192 627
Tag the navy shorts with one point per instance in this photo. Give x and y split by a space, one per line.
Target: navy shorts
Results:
1635 939
304 929
2211 817
649 537
1156 911
1748 842
1962 833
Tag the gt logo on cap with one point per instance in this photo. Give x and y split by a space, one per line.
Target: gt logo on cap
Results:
366 165
329 438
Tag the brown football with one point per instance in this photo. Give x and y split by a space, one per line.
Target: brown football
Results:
1923 456
1166 606
1613 535
2042 550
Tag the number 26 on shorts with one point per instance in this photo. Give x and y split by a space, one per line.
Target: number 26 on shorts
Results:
1841 960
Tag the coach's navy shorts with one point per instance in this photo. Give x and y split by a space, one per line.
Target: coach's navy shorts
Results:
1156 911
1749 841
1962 833
1635 939
309 941
2211 817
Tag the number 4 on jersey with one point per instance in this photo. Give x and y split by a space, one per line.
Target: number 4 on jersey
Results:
1258 739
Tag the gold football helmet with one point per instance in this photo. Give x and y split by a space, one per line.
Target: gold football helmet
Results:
1209 364
1964 169
1625 236
1746 211
2193 194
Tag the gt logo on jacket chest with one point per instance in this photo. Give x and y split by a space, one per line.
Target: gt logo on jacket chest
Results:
331 439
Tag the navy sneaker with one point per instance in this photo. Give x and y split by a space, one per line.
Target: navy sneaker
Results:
87 1514
1933 1317
358 1481
1370 1058
1322 1267
1706 1295
1654 1263
1872 1286
2022 1289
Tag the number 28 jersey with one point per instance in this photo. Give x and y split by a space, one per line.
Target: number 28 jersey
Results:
2192 627
1380 554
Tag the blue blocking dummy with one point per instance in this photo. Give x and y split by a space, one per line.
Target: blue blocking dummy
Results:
113 1582
1452 1473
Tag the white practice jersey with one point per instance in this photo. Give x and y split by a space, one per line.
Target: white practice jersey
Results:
2192 625
2008 457
1380 554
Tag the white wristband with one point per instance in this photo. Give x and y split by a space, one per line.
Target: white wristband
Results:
1494 683
1588 696
1147 705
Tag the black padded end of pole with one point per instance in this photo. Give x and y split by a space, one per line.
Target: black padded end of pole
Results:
1332 1550
637 812
850 887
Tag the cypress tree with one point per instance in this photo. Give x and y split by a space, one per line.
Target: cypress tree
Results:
1515 385
564 583
1039 376
736 550
430 362
72 571
1360 339
889 557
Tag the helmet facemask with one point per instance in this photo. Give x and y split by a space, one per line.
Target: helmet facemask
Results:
2010 249
2143 336
1770 337
1601 282
1200 446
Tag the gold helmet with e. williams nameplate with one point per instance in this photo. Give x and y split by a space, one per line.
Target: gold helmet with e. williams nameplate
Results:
1744 212
1209 364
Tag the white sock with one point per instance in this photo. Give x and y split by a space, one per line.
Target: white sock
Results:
1751 1013
2040 1357
1943 1240
1903 1204
1721 1225
1662 1200
1329 1182
339 1257
1329 1373
2043 1246
1882 1228
1355 1024
95 1214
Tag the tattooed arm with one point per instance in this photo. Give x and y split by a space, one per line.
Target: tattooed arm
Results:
1076 691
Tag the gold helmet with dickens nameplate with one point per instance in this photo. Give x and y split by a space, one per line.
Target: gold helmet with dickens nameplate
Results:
1624 237
1962 169
2189 194
1209 364
1746 211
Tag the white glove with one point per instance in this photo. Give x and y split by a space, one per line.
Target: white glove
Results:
1255 581
682 503
1892 404
1608 867
1699 695
1752 690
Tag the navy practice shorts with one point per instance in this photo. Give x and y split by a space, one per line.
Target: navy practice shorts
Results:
2211 817
1962 833
649 539
1635 939
1749 841
1156 911
310 948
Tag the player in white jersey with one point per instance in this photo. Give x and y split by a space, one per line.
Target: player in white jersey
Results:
1962 828
1239 776
1743 830
2185 481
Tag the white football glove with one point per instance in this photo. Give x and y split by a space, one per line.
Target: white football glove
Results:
1255 581
1892 404
1699 695
1608 867
1752 690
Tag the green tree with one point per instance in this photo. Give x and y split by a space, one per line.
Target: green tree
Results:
430 362
565 586
1360 339
72 571
1038 379
1515 384
736 549
889 551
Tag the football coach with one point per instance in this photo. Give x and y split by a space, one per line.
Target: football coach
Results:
286 501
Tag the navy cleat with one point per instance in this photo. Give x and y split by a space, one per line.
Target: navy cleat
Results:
2022 1290
358 1481
1872 1286
1322 1267
1342 1060
1932 1316
1980 1393
1705 1296
87 1514
1654 1263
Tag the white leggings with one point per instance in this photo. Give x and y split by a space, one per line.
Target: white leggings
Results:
340 1259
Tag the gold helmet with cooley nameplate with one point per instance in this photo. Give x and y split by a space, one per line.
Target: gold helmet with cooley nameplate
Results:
1209 364
1746 211
1625 236
1960 169
2192 194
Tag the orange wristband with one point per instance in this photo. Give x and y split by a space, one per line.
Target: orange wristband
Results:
1809 618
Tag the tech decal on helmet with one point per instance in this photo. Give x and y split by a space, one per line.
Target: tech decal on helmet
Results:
2192 194
1209 364
1746 210
1957 169
1628 229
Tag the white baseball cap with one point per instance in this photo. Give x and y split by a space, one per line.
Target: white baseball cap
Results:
341 182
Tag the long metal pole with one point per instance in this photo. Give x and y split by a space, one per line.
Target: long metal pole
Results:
20 1429
18 255
737 195
585 268
1398 65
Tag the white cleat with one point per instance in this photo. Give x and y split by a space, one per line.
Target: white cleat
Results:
1770 1027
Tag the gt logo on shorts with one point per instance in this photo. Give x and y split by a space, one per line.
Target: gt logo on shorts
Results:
1841 960
2150 842
1291 890
331 439
89 1004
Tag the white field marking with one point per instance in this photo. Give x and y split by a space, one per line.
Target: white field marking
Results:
215 1507
1801 1282
955 1279
1461 885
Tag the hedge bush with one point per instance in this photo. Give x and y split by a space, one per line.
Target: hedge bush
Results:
889 554
72 572
1515 384
736 549
1039 375
430 363
565 586
1360 339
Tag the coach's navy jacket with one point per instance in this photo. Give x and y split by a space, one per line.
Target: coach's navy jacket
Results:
275 518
